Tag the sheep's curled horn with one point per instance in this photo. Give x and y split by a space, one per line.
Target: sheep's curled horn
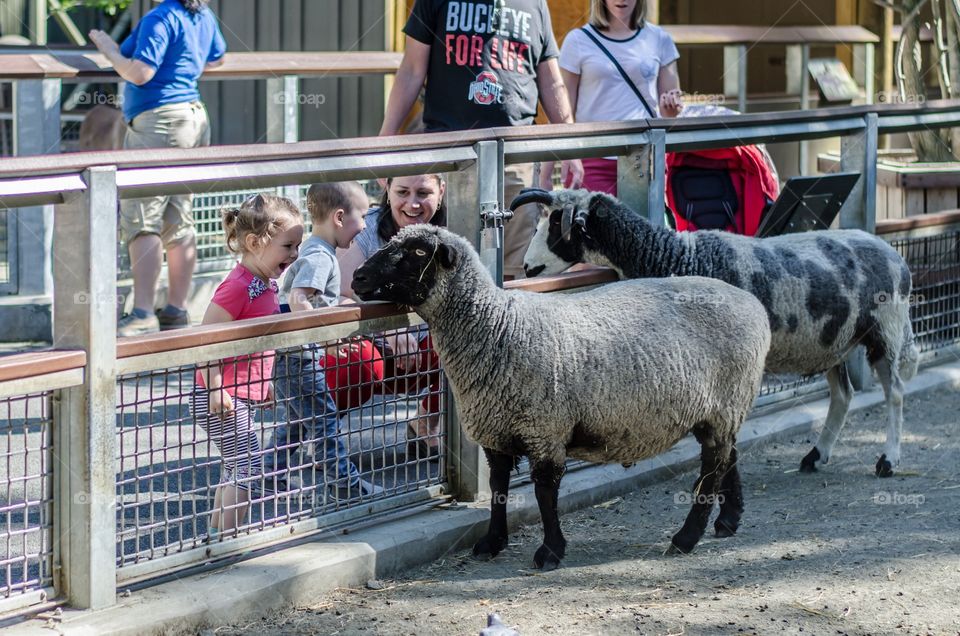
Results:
537 195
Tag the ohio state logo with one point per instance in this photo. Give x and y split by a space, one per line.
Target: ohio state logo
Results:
486 89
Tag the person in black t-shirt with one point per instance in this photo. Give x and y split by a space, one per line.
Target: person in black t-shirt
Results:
485 63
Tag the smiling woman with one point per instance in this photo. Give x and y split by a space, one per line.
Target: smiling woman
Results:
410 364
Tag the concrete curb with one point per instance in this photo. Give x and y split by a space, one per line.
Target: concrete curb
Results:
299 574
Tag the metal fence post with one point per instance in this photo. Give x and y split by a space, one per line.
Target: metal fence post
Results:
84 449
283 118
735 74
473 192
283 109
640 177
804 157
858 153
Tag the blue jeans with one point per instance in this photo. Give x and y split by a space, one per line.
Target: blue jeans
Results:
311 415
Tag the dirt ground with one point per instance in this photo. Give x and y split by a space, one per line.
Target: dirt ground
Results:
837 552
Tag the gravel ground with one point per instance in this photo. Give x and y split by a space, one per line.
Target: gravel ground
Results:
838 552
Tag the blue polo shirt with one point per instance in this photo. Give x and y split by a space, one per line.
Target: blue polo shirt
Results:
179 45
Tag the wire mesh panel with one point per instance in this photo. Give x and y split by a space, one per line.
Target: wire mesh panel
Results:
341 424
26 494
787 384
934 262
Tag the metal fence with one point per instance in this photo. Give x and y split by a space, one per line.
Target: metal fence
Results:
135 464
26 494
297 458
935 307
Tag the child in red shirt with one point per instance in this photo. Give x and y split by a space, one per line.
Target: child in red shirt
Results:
265 231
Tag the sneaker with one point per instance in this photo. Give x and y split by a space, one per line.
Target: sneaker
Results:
167 321
361 489
133 325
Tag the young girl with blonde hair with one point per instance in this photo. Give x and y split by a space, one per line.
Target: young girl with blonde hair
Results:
266 232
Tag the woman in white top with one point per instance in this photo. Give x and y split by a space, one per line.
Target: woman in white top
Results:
597 89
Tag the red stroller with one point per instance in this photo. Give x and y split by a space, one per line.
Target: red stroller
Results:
726 189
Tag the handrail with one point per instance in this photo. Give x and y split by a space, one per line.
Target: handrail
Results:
892 226
77 162
132 182
722 34
175 170
87 65
30 365
287 323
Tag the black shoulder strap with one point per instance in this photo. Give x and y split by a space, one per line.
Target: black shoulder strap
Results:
623 73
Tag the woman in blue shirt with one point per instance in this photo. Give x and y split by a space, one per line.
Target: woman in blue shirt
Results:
160 62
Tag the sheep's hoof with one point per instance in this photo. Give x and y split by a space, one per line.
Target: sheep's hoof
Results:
682 543
488 547
809 463
884 467
725 528
546 559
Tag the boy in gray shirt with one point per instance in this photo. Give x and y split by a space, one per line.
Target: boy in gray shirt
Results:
313 281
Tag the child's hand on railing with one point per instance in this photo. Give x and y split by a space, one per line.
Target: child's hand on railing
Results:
406 348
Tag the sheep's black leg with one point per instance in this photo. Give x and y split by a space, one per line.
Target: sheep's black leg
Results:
496 537
841 392
713 462
731 499
546 477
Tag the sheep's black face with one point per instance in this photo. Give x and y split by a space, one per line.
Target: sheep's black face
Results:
550 252
403 272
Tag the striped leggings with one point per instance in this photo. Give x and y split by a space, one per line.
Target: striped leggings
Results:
233 436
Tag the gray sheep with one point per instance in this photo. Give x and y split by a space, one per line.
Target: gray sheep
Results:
616 374
825 292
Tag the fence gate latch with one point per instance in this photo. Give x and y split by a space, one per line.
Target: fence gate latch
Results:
493 219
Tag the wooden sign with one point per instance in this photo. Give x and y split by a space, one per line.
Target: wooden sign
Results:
834 80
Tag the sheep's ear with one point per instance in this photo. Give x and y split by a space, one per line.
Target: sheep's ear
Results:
448 255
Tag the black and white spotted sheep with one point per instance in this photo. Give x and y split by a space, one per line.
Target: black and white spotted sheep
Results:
825 292
615 374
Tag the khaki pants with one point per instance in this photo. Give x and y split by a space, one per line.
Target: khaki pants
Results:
520 229
184 125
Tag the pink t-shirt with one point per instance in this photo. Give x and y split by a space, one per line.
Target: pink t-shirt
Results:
243 295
